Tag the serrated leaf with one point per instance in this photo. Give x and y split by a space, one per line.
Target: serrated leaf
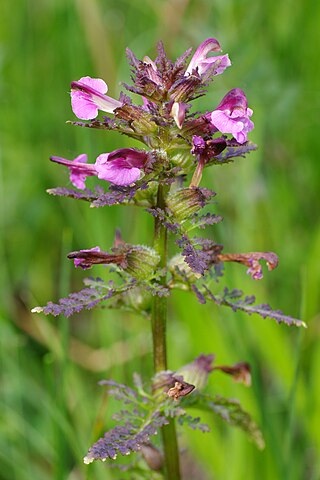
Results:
125 439
84 299
230 411
236 300
231 152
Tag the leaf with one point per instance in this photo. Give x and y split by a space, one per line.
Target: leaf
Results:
236 300
138 425
232 151
86 194
125 439
98 197
193 423
84 299
230 411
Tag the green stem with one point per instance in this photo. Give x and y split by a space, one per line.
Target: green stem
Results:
159 323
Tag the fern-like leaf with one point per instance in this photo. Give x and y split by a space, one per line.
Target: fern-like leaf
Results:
236 300
84 299
230 411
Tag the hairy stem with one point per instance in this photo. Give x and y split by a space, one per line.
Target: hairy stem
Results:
159 321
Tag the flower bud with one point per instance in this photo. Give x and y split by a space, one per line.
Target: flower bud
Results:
141 261
196 373
185 202
140 121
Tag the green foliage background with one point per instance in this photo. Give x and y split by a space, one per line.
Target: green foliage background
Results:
51 407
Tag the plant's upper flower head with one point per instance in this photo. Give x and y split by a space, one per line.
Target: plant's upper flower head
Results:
204 65
88 97
121 167
79 170
232 115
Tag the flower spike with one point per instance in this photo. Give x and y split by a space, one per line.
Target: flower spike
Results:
88 97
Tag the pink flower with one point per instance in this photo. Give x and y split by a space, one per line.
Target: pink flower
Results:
88 96
232 115
205 65
79 170
81 261
121 167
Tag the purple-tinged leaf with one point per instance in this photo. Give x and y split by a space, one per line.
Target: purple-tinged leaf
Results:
236 300
230 411
193 423
84 299
198 252
116 195
125 439
232 151
99 197
201 298
156 289
202 221
107 124
86 194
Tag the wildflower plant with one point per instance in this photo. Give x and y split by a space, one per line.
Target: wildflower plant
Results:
164 178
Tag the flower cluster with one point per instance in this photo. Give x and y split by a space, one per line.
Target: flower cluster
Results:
163 121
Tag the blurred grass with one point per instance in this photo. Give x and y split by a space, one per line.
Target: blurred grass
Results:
51 407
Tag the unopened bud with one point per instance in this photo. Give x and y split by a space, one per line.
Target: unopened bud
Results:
139 119
196 373
141 261
185 202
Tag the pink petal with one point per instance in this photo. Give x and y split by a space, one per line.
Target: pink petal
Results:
224 123
241 136
82 106
119 175
118 171
79 169
82 158
87 98
78 179
96 83
200 55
